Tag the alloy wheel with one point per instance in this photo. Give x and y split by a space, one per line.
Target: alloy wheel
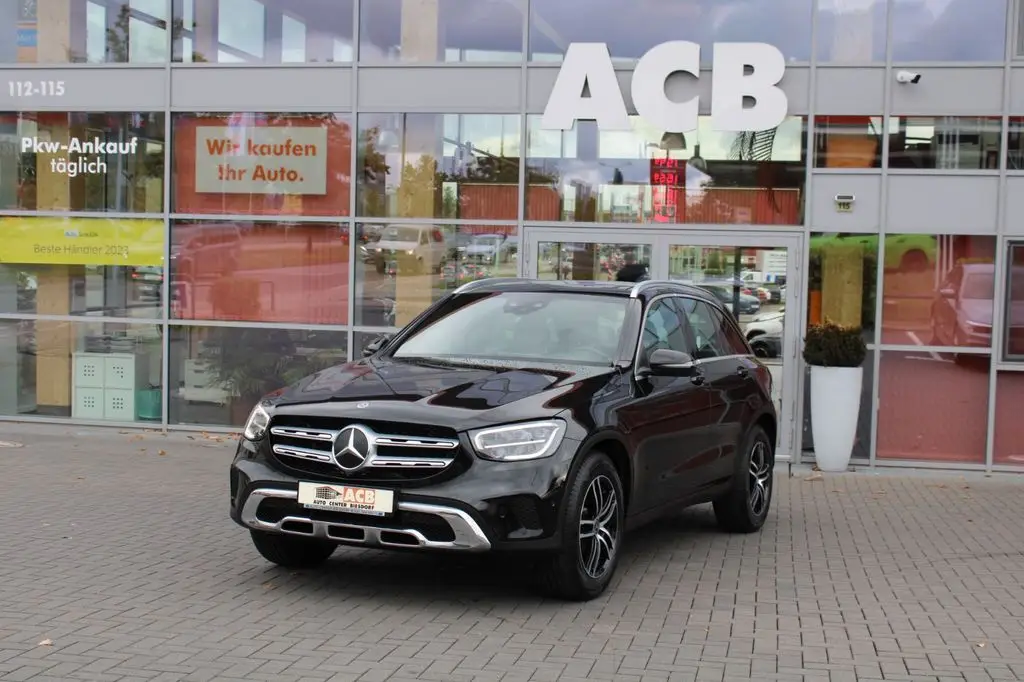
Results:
599 527
760 478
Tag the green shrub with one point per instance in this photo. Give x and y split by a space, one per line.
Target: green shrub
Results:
833 345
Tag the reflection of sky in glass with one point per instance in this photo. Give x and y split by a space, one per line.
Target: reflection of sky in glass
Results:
293 40
241 25
495 134
146 42
96 33
154 8
631 27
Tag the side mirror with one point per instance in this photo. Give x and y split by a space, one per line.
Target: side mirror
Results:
666 362
947 292
376 345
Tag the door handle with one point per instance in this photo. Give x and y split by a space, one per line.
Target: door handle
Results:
698 379
742 371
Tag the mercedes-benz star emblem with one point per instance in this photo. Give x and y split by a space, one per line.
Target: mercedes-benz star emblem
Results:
353 447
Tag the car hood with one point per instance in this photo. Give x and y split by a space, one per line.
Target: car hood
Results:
448 393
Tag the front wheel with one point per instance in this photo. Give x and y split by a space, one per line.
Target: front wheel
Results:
291 551
745 507
592 532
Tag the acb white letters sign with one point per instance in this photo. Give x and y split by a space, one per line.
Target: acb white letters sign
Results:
590 63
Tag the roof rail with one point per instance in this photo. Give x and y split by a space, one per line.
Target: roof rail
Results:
469 286
640 286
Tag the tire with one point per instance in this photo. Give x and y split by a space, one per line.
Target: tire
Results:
754 334
290 551
742 510
565 575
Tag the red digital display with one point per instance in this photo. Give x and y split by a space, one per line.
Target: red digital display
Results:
667 172
670 178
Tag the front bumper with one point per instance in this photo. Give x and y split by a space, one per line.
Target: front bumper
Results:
468 536
482 507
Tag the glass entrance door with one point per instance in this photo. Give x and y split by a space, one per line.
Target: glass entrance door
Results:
575 255
756 276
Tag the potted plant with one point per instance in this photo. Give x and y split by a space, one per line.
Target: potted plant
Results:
835 354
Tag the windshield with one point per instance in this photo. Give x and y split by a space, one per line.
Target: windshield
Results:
401 234
979 287
526 326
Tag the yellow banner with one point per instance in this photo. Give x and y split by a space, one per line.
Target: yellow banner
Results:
81 241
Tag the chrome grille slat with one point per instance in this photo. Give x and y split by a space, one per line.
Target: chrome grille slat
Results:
402 442
303 453
322 435
381 462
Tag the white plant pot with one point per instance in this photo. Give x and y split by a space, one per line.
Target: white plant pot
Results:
835 409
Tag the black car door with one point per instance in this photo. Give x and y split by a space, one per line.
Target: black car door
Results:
729 373
668 417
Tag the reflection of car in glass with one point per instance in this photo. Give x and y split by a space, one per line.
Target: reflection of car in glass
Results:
148 280
749 305
484 248
766 323
460 273
404 248
516 415
767 345
456 243
962 309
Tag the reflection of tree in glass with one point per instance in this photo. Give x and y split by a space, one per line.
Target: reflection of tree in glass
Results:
424 188
250 363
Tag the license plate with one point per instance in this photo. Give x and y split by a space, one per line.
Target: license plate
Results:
344 498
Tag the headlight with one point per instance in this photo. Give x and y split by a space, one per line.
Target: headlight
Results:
256 424
529 440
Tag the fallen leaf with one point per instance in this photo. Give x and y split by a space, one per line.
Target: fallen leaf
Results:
269 586
938 485
46 642
980 645
142 449
836 490
161 452
814 477
880 492
135 438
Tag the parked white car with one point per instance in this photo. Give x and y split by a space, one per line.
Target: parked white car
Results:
766 323
422 245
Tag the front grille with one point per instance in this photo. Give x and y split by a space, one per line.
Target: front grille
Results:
381 452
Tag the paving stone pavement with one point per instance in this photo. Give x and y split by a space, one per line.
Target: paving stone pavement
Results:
117 551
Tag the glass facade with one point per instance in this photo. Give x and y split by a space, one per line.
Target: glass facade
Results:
201 201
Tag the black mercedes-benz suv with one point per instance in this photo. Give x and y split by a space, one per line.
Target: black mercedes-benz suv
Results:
517 415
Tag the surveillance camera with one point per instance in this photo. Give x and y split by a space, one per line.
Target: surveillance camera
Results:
907 77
